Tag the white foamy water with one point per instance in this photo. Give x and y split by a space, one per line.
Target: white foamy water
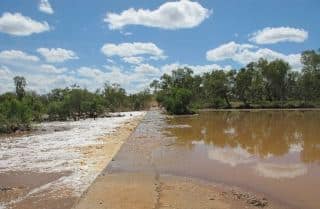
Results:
59 151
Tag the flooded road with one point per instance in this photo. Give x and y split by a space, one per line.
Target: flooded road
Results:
274 153
222 159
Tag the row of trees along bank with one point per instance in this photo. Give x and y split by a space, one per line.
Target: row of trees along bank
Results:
260 84
18 110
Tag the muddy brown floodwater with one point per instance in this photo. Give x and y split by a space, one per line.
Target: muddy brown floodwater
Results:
274 154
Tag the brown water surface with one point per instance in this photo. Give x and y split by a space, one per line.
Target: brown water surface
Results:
272 152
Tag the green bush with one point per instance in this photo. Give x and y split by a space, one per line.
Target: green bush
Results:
57 111
177 101
218 103
3 124
15 115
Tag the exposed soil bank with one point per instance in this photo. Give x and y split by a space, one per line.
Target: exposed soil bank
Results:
136 180
51 170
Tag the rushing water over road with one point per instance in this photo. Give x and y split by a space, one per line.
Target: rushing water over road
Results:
51 168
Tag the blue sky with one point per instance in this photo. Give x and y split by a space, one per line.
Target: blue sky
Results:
55 43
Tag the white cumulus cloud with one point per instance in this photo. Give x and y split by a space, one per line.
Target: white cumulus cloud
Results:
246 53
57 54
44 77
17 55
147 69
132 49
227 51
45 6
5 72
136 79
197 69
170 15
6 79
52 69
280 34
133 60
19 25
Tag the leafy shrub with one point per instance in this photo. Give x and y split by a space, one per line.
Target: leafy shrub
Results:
177 101
15 115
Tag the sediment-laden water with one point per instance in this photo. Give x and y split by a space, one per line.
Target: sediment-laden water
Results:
276 153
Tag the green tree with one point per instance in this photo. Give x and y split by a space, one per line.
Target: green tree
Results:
308 85
20 83
177 91
15 115
182 78
244 85
57 110
155 85
275 74
217 87
177 101
140 100
311 74
115 96
293 88
311 60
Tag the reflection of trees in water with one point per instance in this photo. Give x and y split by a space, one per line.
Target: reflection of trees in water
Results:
259 132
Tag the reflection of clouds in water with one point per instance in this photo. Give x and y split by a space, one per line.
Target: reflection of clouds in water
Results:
193 142
204 131
298 135
230 131
295 148
180 126
230 156
277 171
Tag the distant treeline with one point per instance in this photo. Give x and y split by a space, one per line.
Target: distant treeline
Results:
18 110
260 84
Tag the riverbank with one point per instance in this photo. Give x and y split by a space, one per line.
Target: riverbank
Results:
52 168
265 105
260 109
